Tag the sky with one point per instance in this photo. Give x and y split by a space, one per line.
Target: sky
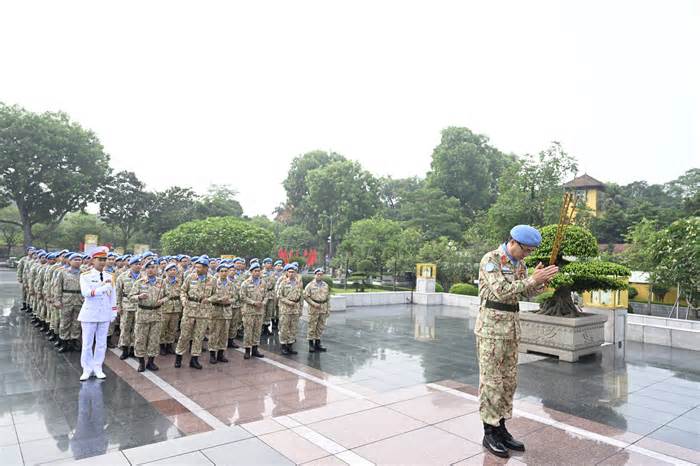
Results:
200 93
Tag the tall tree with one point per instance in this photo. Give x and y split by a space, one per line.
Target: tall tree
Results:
531 193
393 191
295 184
10 227
220 201
465 166
124 204
49 166
433 213
168 209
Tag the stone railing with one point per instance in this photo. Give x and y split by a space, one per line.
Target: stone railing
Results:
676 333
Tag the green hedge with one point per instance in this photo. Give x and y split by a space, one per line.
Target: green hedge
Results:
439 288
464 288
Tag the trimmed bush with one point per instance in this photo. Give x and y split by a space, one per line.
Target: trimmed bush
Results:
465 289
632 292
439 288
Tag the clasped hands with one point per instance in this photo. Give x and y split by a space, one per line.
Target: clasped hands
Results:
543 275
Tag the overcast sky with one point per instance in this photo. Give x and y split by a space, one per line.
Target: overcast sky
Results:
217 92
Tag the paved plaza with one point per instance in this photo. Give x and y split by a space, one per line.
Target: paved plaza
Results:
397 386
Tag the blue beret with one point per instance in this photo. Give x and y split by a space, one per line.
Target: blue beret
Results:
170 266
147 254
255 259
204 256
223 266
289 267
73 255
43 254
237 260
134 260
254 266
279 262
51 255
318 270
295 264
149 263
112 254
202 260
267 260
31 248
526 235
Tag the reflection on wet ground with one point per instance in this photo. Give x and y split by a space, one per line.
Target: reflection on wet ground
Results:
372 394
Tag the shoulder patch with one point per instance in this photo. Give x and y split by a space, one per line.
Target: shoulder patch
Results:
490 267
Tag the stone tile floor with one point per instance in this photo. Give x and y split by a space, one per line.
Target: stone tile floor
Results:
396 387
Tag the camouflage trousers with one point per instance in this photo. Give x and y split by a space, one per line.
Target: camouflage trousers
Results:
169 328
147 336
126 327
192 328
218 334
271 310
317 324
70 326
289 324
55 323
252 327
236 322
112 327
498 371
41 309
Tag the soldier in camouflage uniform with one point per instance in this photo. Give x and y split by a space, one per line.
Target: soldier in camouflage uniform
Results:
503 281
253 296
277 272
21 265
127 309
289 295
148 293
42 284
55 313
50 297
194 294
236 320
35 287
220 317
171 310
318 295
69 302
270 279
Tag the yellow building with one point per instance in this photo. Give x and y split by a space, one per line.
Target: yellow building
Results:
606 299
640 282
589 191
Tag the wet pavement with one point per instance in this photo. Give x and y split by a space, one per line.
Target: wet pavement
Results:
396 386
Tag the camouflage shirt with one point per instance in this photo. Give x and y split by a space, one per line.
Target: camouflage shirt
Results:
155 289
67 287
318 295
289 294
194 295
124 284
172 291
225 289
253 291
505 281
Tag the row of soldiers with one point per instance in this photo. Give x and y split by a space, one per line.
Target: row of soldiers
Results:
157 297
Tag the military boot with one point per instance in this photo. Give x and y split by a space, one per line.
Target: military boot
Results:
24 306
169 348
52 336
110 342
131 352
63 347
212 357
312 346
58 342
220 356
492 441
290 348
151 365
232 343
285 349
256 353
142 364
275 324
75 345
265 330
319 347
45 328
163 352
247 354
508 439
194 362
178 361
125 353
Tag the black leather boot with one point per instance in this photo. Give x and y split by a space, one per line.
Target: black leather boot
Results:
256 353
220 356
508 439
247 354
290 348
492 441
110 342
285 349
232 343
151 365
45 328
163 352
212 357
319 347
169 348
131 352
125 353
58 342
142 365
52 336
178 361
194 362
312 346
64 347
75 345
265 331
275 324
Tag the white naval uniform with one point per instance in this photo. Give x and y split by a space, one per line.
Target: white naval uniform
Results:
99 309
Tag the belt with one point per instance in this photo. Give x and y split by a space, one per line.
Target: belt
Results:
175 298
149 308
193 300
71 291
219 305
502 306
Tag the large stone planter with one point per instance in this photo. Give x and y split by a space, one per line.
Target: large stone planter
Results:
566 337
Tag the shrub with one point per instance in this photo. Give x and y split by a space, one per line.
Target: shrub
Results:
542 297
464 288
439 288
632 292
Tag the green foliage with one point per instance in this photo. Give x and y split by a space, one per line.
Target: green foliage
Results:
216 236
453 262
577 242
295 237
124 203
433 213
220 201
641 238
465 289
167 209
306 279
393 192
531 192
295 184
593 275
439 288
465 166
542 297
72 230
50 166
632 292
299 260
10 228
676 253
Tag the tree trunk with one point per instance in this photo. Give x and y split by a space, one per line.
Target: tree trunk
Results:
27 231
560 304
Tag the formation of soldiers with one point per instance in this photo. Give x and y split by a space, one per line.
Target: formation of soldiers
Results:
172 304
